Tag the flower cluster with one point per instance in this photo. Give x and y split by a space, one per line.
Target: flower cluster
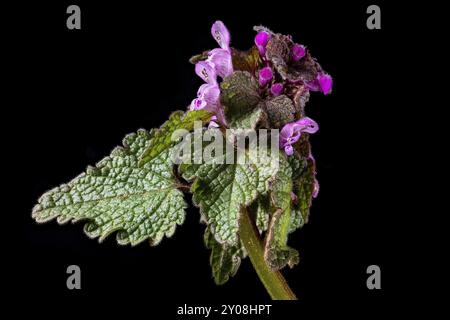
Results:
282 67
323 82
218 64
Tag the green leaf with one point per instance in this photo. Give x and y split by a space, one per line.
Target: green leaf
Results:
304 180
117 195
276 253
240 97
163 140
220 190
250 120
304 187
225 259
262 209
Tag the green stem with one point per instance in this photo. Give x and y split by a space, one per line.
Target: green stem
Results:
274 281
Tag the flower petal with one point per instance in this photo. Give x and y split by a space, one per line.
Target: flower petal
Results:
205 70
290 134
276 89
294 197
325 83
222 62
307 125
221 34
316 188
197 104
213 123
209 93
289 150
265 76
261 40
313 85
297 52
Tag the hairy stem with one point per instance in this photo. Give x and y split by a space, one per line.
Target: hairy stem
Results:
274 281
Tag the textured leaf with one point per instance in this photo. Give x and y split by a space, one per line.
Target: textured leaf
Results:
117 195
250 120
262 209
246 60
220 190
304 172
278 52
298 166
280 110
304 187
279 48
305 69
277 254
301 97
263 28
240 98
162 139
225 260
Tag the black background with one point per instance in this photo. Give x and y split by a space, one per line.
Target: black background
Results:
127 68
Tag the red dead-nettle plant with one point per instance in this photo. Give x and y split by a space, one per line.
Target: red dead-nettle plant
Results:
249 207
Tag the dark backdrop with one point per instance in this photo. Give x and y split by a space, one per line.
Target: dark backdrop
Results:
128 68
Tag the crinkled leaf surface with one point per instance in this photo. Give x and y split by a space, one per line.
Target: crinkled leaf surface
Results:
262 210
163 140
278 52
306 69
240 98
140 202
277 254
225 259
301 97
220 190
303 188
304 180
251 119
280 110
246 60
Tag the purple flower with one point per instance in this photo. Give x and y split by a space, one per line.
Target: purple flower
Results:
221 34
276 89
291 132
219 63
221 60
206 71
308 125
323 83
265 76
207 97
294 197
261 40
209 93
316 188
297 52
213 123
197 104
